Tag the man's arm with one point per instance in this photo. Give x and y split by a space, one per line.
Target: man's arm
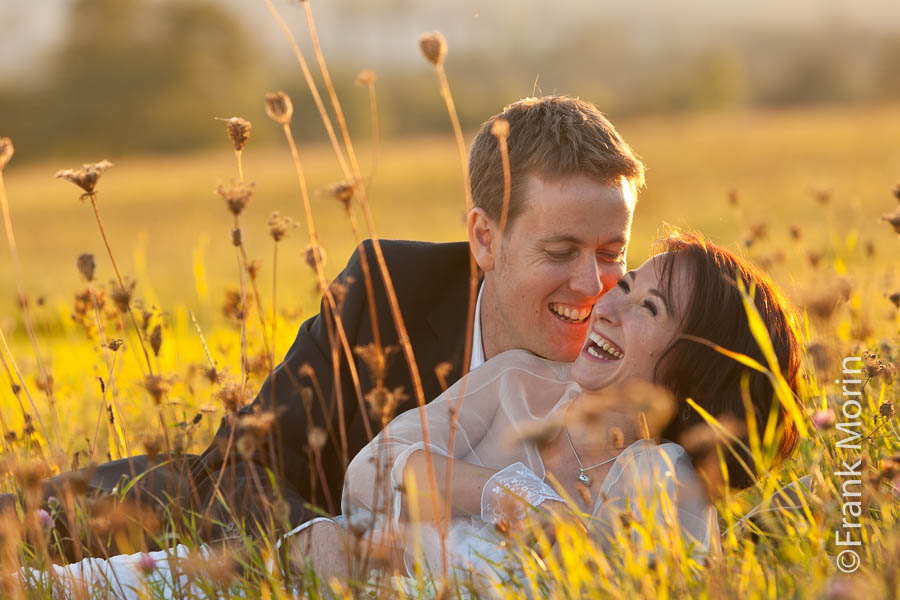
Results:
301 395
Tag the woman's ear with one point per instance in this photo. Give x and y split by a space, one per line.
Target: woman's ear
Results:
483 236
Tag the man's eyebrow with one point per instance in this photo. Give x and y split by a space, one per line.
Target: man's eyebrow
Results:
568 237
563 237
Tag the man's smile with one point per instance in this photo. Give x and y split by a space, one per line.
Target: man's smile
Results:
568 313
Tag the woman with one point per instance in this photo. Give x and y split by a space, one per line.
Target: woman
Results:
645 330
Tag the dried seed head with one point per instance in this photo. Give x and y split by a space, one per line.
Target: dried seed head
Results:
238 131
383 402
156 339
306 397
822 196
87 176
376 359
317 438
755 233
824 300
157 386
886 409
796 232
6 151
896 188
86 266
236 195
878 368
122 295
733 198
311 253
232 396
894 219
870 248
258 424
500 128
234 307
895 298
246 446
280 226
253 267
343 192
814 257
434 47
115 344
279 107
365 78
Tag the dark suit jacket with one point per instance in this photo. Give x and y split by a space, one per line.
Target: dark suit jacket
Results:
432 286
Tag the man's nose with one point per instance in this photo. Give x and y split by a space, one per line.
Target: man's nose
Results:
610 274
588 278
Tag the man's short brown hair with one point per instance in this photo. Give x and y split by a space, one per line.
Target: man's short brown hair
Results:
551 137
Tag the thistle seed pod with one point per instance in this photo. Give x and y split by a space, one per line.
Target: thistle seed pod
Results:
238 131
87 176
86 266
434 47
6 151
279 107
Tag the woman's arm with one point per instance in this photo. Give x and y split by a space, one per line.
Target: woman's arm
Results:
466 484
377 479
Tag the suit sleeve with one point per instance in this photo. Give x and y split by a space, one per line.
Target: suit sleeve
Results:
300 395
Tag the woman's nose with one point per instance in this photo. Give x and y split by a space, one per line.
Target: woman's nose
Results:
607 309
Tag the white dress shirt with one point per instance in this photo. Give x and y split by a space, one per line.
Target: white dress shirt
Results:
477 345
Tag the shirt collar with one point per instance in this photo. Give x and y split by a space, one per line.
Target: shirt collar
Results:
477 344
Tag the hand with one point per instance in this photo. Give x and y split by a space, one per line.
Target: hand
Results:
510 494
549 516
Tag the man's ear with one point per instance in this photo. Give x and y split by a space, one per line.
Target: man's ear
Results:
483 238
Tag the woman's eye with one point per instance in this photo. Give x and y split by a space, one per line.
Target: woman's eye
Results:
624 285
649 306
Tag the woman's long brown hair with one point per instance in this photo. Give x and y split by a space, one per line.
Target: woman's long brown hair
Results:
715 312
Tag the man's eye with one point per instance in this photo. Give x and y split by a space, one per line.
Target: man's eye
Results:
611 256
649 306
559 255
624 285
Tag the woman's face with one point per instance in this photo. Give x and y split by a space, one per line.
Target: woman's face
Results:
631 326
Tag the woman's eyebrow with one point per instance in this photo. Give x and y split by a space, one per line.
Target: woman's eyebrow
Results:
662 297
655 292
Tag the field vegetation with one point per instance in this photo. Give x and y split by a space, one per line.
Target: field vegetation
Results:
800 191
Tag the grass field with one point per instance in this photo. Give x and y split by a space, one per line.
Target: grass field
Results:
828 172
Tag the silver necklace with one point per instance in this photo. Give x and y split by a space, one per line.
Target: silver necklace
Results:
582 476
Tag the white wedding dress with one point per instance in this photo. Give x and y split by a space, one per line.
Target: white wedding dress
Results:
505 397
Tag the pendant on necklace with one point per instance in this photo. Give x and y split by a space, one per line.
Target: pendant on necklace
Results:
585 479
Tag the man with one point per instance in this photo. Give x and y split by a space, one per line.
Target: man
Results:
563 242
573 182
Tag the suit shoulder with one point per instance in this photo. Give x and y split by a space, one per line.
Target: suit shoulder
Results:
408 257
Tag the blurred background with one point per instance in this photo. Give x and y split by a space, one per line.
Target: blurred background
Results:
751 117
117 76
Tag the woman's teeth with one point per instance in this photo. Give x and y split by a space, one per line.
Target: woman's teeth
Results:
602 348
570 313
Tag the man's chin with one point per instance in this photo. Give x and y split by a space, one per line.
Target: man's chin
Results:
563 353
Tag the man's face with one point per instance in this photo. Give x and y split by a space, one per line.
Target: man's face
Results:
565 249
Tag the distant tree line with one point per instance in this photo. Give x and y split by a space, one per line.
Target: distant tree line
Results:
149 76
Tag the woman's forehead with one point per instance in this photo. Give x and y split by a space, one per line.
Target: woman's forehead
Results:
668 273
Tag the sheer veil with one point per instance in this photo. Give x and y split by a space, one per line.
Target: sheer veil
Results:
500 406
